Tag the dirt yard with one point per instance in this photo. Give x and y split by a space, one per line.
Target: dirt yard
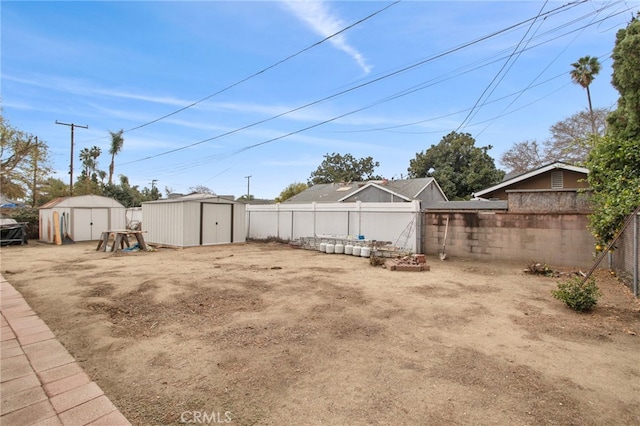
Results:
267 334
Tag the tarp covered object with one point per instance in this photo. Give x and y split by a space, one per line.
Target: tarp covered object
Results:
13 234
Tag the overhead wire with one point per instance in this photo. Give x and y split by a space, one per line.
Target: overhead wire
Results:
359 86
459 71
262 71
245 148
473 110
541 72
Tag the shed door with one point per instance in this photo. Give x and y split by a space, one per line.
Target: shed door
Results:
216 223
88 224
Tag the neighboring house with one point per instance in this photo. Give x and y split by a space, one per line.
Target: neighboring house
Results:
425 190
556 176
555 188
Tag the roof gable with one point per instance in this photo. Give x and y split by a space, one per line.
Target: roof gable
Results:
529 175
406 189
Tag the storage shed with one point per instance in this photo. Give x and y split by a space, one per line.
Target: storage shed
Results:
194 220
83 217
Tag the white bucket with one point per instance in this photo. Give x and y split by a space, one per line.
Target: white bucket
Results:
356 250
330 248
339 248
323 247
348 249
365 252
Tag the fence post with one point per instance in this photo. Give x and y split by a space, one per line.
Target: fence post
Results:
359 207
635 254
313 206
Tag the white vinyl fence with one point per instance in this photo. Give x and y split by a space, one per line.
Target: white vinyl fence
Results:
397 223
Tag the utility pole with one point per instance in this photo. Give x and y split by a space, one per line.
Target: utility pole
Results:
248 180
73 126
35 172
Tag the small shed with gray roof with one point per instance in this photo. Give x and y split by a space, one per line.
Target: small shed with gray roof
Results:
194 220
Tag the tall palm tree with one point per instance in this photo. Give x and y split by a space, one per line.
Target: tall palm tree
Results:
583 73
116 146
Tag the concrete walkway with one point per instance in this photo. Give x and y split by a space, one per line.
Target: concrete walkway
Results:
40 382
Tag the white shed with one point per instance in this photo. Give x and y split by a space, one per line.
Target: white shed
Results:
194 220
84 217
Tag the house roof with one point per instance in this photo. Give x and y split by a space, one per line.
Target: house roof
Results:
408 189
530 174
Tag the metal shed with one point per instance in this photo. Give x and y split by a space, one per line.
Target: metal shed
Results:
84 217
194 220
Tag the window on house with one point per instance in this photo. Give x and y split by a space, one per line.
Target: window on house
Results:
557 180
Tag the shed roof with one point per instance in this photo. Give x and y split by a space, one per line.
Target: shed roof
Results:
82 201
530 174
409 189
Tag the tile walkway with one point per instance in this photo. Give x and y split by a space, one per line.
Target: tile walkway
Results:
40 382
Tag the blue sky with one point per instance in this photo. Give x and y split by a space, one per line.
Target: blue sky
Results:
255 103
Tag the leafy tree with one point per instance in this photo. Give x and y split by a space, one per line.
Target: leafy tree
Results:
18 150
614 176
522 157
583 73
116 146
50 189
246 197
614 163
624 122
151 194
131 196
459 167
344 168
290 191
88 179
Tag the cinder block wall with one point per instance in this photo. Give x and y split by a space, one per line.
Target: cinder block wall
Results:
554 239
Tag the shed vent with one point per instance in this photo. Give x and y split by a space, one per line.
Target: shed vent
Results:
557 181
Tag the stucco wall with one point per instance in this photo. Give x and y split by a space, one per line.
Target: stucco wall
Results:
554 239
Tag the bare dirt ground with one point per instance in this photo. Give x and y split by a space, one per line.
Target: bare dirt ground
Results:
267 334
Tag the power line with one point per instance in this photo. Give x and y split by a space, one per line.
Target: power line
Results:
262 71
459 71
359 86
540 73
473 109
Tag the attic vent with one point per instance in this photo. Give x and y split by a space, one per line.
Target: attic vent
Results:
557 181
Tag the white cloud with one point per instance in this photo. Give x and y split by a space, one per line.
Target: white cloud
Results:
317 15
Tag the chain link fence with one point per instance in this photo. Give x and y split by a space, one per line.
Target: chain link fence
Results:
625 258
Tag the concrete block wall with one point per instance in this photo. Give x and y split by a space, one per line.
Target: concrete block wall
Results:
554 239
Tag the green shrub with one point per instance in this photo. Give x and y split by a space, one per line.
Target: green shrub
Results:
31 217
578 296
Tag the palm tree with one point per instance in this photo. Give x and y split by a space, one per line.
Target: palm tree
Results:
583 73
116 146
